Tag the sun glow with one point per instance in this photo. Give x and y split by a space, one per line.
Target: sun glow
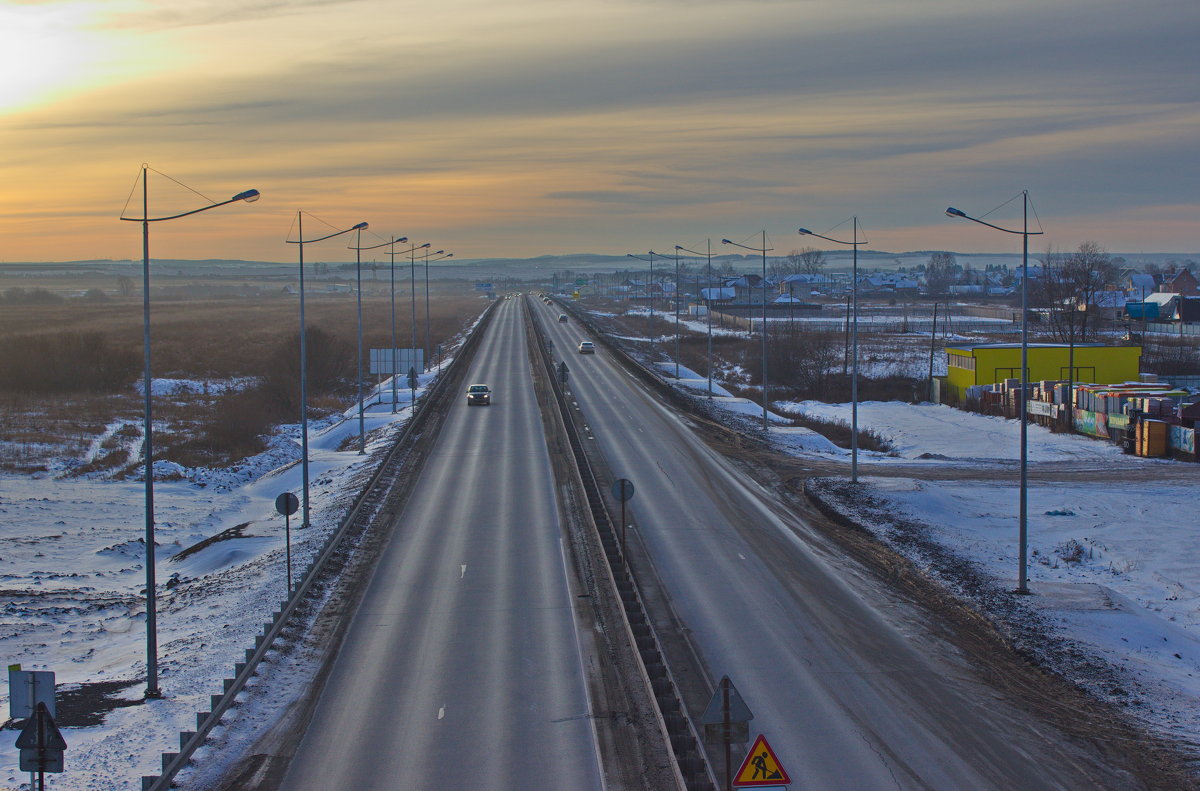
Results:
44 50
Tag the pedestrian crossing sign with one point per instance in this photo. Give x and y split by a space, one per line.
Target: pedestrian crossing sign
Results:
761 767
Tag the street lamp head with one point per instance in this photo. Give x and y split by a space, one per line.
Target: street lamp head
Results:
804 232
422 247
953 212
402 239
439 252
362 226
726 241
249 196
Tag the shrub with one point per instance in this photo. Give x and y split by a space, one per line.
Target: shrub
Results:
65 362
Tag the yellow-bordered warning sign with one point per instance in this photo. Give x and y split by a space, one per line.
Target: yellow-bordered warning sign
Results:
761 767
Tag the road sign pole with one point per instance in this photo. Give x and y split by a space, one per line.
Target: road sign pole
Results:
624 558
287 532
725 726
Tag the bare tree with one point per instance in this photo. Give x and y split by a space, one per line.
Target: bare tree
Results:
806 261
939 272
125 286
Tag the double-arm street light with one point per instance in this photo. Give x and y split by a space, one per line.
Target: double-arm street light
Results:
438 255
853 344
301 241
650 294
392 252
249 196
1022 508
707 304
764 249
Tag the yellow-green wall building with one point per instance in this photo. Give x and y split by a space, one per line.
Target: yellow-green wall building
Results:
991 363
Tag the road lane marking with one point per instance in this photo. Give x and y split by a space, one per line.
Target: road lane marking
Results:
463 572
740 555
441 712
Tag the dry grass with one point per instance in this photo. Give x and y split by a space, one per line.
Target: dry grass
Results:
216 339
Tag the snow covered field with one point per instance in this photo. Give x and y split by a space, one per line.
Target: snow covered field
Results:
72 573
1114 566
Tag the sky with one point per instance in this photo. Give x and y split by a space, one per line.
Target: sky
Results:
531 127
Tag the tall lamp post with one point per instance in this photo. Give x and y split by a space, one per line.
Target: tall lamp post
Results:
301 241
1023 499
764 249
650 294
853 344
707 304
678 331
440 254
249 196
391 246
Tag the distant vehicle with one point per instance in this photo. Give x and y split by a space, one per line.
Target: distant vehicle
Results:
587 347
562 317
479 395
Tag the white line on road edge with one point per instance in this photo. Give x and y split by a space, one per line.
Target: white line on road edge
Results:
441 712
463 573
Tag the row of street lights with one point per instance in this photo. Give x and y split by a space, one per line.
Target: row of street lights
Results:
854 242
249 196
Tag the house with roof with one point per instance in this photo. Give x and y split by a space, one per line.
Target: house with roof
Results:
1181 282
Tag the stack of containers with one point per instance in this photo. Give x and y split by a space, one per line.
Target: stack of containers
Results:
1152 438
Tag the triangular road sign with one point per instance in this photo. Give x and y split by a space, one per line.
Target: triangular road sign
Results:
761 767
738 710
49 738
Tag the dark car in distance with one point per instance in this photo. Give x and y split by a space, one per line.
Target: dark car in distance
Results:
479 395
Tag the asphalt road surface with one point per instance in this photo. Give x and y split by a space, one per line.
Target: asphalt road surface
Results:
462 669
849 685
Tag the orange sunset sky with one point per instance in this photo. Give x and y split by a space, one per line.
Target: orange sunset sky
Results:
531 127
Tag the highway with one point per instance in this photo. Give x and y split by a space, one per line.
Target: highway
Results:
850 685
462 667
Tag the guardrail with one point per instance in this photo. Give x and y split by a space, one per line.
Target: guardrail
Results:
426 418
689 755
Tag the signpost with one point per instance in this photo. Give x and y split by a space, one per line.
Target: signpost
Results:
622 489
41 745
286 504
725 721
563 371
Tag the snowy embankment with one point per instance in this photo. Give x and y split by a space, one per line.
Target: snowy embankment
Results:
72 577
1114 562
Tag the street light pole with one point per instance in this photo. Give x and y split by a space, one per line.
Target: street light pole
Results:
248 196
300 241
650 325
853 345
362 433
391 246
426 344
1023 496
762 250
707 306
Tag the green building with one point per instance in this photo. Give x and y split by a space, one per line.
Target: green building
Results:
992 363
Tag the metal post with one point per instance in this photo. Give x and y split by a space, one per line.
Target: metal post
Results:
678 329
764 328
932 345
287 532
425 347
708 310
854 366
362 435
152 690
392 253
725 727
412 286
624 557
304 522
1022 581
